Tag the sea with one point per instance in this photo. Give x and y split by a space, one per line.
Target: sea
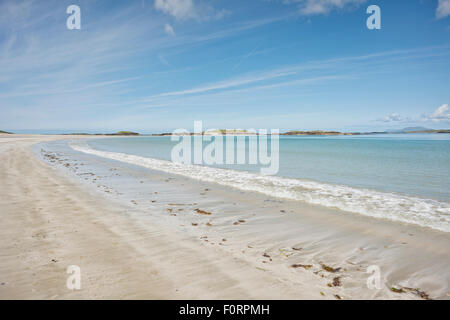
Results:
399 177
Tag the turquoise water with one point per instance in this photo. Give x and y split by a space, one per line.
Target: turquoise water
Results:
412 164
403 178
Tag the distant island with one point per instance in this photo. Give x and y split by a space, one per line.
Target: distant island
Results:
120 133
419 130
217 132
123 133
337 133
320 133
247 132
312 133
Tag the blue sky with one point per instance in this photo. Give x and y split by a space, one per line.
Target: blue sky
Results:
158 65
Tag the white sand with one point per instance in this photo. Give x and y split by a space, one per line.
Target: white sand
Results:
49 221
44 216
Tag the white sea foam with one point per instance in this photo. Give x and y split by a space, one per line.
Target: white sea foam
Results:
423 212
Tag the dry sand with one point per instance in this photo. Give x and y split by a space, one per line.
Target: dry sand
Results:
49 223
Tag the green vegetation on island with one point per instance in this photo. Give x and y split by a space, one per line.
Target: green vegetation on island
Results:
123 133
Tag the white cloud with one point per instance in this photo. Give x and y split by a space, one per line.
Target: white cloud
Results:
169 29
187 9
392 118
442 114
180 9
313 7
443 9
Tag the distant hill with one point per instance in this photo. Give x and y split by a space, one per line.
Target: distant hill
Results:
419 130
409 130
5 132
415 129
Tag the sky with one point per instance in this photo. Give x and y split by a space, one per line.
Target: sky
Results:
159 65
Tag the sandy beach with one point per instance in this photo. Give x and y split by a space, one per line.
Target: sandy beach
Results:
191 240
48 223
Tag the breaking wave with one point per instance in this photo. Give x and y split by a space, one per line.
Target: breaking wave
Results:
395 207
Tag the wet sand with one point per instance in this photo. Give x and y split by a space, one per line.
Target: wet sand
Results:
184 239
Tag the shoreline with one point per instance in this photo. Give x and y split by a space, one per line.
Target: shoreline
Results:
146 236
361 200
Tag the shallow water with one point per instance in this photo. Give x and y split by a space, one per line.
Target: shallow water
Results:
397 177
